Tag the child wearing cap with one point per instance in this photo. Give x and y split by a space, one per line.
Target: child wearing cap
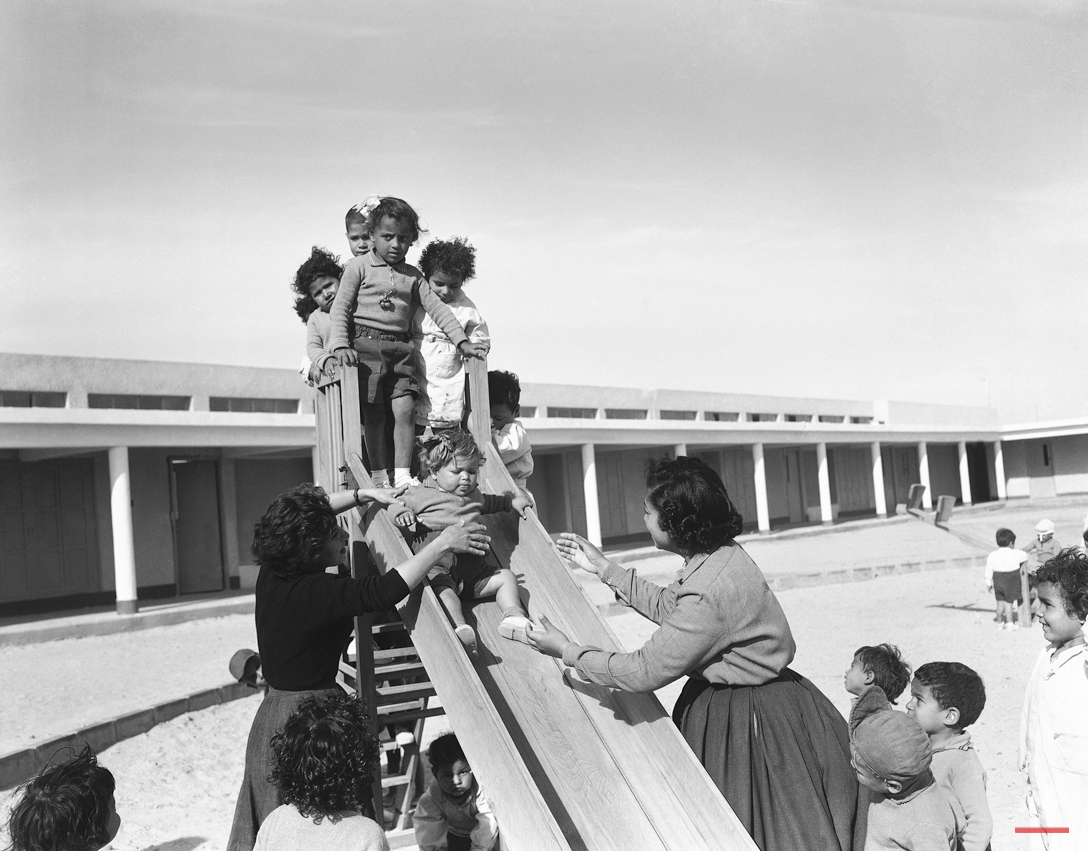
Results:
946 697
1045 546
891 755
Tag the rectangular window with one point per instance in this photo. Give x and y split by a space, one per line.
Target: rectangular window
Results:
798 418
137 402
831 418
763 418
624 414
32 399
527 411
573 413
862 420
678 415
722 417
243 405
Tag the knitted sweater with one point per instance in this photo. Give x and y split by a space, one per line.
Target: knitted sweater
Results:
436 509
921 820
959 774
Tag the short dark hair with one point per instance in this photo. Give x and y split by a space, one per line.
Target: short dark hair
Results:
454 256
294 530
1068 570
321 263
437 451
399 211
889 669
954 686
445 751
324 758
65 808
503 388
1005 537
354 217
692 504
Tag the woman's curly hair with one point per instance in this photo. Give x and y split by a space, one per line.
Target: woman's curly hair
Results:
454 256
399 211
294 530
1069 571
322 263
437 451
65 808
693 507
324 758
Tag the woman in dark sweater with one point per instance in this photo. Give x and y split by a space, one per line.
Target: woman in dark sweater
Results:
305 617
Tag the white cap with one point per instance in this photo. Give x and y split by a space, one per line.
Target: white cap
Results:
1044 526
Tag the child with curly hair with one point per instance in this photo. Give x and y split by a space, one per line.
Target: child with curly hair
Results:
447 265
883 666
379 293
1053 725
323 761
67 806
507 432
315 285
453 814
448 497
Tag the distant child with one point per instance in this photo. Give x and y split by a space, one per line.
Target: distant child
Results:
1003 577
1054 724
453 814
507 432
945 698
882 666
67 806
1045 546
322 762
448 497
891 755
447 265
379 293
316 283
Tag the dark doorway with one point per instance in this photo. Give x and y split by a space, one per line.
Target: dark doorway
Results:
978 472
198 549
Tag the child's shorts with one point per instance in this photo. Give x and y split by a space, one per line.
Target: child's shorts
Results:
460 572
386 365
1007 587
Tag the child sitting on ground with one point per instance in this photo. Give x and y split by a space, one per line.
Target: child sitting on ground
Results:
1054 725
448 497
882 666
891 755
507 432
447 265
315 284
453 814
945 698
1003 577
323 761
1044 546
379 293
67 806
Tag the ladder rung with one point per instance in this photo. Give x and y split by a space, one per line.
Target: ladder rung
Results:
396 653
396 670
399 694
400 717
395 626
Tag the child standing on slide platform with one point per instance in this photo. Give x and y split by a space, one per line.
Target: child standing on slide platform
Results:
315 284
378 294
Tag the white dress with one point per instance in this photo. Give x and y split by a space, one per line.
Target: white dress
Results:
441 375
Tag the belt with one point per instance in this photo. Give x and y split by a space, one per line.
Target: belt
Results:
375 334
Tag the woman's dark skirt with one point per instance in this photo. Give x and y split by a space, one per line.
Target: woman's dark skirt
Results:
780 754
258 797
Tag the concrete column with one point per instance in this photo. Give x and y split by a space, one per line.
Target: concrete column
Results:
589 486
965 473
315 461
999 471
763 512
124 552
923 475
679 449
824 478
878 479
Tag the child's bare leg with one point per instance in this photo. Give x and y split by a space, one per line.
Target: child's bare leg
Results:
447 596
515 620
404 430
374 435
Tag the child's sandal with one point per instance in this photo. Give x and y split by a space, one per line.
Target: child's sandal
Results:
467 636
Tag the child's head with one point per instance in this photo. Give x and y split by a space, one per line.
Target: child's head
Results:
504 391
1062 587
316 282
1005 537
946 696
324 758
447 265
298 533
1044 530
68 807
393 227
453 458
882 666
357 231
449 766
890 751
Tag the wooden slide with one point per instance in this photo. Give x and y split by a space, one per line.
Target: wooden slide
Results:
567 764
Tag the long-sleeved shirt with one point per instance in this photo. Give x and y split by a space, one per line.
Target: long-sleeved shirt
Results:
436 509
470 815
515 451
441 402
318 333
383 297
718 621
960 775
1003 560
919 821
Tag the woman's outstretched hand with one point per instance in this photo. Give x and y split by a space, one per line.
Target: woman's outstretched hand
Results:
462 538
580 552
547 639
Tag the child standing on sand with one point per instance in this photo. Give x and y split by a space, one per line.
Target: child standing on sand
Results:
1002 576
315 284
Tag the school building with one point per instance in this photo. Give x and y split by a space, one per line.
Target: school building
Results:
127 480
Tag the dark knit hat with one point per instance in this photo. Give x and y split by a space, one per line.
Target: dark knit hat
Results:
891 744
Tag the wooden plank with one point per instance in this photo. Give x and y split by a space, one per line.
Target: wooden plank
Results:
476 401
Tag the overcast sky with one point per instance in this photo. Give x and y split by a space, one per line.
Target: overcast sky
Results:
850 200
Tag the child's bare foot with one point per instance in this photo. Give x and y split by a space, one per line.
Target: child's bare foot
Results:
516 628
467 636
